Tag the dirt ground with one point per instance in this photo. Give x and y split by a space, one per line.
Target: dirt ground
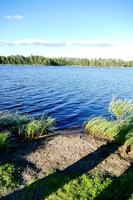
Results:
65 150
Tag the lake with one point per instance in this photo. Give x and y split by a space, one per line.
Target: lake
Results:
69 94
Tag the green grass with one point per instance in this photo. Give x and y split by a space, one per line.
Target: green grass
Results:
39 127
121 108
3 140
86 187
62 187
128 144
98 127
110 130
7 179
115 130
120 188
13 121
89 186
25 126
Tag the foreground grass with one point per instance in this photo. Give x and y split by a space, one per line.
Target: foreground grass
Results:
57 187
8 182
89 186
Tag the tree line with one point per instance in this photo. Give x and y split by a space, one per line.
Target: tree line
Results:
41 60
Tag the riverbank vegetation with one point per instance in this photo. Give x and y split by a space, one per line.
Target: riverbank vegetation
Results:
81 179
22 127
40 60
119 130
8 179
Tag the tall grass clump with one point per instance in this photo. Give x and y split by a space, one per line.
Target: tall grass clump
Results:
40 127
3 140
25 126
104 129
115 130
13 122
121 109
98 127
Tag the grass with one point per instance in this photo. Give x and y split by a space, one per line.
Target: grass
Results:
62 187
3 140
98 127
121 108
39 127
110 130
85 187
8 181
128 144
113 130
120 188
89 186
13 121
25 126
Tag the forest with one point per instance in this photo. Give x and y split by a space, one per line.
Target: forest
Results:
41 60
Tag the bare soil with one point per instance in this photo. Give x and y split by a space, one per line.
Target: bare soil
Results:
65 150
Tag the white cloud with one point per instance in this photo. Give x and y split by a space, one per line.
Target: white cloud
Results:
59 43
78 48
13 17
8 17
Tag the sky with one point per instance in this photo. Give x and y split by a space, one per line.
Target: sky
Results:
69 28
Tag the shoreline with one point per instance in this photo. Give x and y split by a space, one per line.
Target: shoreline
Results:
64 61
80 66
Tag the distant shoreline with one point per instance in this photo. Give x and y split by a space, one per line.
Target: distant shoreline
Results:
46 61
81 66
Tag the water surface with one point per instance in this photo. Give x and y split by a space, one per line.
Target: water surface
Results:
70 94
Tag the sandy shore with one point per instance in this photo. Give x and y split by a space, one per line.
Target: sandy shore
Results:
59 152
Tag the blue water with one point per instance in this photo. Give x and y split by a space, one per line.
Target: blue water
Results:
69 94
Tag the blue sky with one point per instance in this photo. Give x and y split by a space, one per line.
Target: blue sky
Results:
73 28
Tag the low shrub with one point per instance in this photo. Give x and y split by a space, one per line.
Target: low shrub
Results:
3 140
85 187
63 187
39 127
120 188
7 179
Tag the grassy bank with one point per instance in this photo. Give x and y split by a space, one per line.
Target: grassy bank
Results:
81 178
119 130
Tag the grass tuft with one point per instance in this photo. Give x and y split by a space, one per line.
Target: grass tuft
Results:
13 122
3 140
121 109
113 130
40 127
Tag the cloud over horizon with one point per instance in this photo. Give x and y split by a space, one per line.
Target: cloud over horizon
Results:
68 48
59 43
